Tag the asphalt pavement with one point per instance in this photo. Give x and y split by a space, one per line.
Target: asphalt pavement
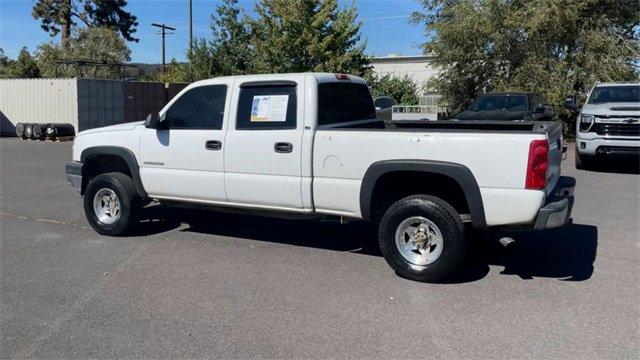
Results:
211 285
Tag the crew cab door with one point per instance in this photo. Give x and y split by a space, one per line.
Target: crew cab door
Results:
184 159
264 145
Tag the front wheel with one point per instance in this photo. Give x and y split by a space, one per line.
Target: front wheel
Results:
422 238
111 204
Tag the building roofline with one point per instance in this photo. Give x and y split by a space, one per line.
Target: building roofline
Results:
402 58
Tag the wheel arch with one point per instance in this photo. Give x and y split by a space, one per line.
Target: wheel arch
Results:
94 153
457 173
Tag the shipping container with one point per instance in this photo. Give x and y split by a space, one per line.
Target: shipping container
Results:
37 101
84 103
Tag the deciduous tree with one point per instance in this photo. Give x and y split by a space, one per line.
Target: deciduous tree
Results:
403 89
94 44
551 47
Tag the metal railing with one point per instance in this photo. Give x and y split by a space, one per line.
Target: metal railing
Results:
419 109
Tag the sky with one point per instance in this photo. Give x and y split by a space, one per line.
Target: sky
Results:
385 26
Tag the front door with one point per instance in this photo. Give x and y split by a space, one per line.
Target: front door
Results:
263 155
184 160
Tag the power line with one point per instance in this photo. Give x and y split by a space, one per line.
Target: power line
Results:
190 25
163 33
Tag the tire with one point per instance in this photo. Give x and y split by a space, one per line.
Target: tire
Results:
129 204
424 263
584 162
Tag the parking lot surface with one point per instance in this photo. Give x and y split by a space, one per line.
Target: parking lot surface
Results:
212 285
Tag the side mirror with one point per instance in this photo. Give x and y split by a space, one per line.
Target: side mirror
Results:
153 121
570 104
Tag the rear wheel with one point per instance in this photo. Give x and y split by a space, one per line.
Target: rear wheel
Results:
111 204
421 237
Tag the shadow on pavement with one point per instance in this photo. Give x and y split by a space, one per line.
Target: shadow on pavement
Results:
567 253
622 165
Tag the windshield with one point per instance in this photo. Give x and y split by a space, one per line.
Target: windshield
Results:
614 94
499 102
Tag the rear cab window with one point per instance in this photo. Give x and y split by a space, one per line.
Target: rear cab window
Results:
344 103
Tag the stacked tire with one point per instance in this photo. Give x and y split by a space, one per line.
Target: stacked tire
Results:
39 131
20 130
57 131
28 131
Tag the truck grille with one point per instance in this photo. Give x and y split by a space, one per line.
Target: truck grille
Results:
616 129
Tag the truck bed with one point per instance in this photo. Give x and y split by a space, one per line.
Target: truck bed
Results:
496 153
526 126
550 127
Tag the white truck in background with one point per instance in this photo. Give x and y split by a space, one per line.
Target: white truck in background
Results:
608 124
310 144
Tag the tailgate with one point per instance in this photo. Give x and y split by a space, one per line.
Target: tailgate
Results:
554 135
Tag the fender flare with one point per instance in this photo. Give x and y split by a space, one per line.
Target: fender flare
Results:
123 153
457 172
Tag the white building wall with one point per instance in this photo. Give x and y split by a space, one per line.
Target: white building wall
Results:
418 68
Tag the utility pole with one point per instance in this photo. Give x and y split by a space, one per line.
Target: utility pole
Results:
163 33
190 24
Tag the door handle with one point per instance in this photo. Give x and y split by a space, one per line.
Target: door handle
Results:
283 147
213 145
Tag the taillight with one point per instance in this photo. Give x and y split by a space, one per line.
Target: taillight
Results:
536 178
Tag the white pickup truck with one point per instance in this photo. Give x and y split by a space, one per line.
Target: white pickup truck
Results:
608 124
310 144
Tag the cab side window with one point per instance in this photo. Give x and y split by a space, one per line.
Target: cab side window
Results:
199 108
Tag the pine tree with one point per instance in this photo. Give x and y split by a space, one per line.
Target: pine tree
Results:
231 48
57 16
228 52
23 67
307 35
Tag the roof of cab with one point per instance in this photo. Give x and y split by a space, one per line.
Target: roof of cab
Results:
320 77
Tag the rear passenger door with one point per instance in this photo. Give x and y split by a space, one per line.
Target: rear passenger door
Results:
185 158
263 153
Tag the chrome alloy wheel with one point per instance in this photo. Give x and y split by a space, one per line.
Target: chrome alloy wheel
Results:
106 206
419 240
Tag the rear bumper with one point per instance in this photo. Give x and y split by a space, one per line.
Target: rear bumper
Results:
73 169
557 210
